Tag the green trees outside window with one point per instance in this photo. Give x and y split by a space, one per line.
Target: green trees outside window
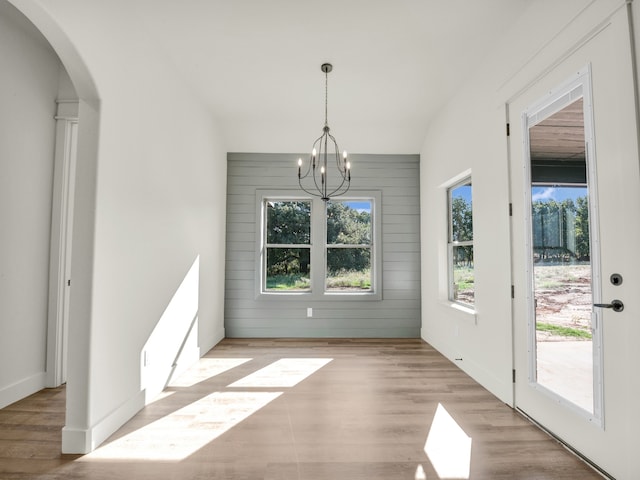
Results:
561 227
288 245
349 234
461 272
290 238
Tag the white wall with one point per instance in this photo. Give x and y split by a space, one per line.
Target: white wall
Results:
150 211
29 71
470 134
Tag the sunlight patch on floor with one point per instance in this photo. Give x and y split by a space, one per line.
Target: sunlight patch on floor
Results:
286 372
185 431
160 396
448 447
205 369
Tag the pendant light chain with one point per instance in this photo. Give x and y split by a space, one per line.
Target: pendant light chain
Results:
326 98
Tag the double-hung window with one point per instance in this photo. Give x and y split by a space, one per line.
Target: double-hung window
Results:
311 247
349 244
287 246
460 242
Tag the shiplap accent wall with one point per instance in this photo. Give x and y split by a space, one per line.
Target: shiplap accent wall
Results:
396 315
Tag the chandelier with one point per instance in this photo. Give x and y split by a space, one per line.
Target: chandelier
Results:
317 180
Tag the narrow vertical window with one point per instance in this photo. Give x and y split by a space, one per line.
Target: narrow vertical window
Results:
349 246
287 245
461 274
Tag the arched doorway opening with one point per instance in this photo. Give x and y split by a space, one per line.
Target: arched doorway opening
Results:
82 136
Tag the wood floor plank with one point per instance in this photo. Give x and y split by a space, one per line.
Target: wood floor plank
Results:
295 409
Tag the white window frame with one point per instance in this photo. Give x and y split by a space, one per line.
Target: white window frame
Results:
266 245
319 247
460 181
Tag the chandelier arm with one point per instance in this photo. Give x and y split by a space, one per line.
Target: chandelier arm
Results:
339 188
318 156
308 191
337 192
325 178
306 174
310 161
343 173
341 168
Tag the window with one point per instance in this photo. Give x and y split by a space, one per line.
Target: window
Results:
287 245
349 246
311 247
461 275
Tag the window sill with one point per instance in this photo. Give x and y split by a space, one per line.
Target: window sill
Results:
326 296
463 311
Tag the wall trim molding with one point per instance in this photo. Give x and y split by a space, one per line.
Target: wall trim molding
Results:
22 388
82 441
323 332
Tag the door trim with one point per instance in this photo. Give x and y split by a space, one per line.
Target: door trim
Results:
60 247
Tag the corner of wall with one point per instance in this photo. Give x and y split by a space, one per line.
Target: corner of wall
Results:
82 441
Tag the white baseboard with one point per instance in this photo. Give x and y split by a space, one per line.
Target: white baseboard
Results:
21 389
500 387
82 441
75 440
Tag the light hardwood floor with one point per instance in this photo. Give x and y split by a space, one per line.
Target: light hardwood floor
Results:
300 409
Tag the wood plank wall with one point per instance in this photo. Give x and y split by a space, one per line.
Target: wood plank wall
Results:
397 314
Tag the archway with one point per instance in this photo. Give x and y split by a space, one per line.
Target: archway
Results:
80 307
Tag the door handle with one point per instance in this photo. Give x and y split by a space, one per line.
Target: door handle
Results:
616 305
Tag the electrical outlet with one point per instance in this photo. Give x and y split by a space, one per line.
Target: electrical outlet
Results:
309 312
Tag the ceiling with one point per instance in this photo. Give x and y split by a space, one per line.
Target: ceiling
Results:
256 63
560 137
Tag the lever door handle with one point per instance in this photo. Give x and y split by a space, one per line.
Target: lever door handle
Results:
616 305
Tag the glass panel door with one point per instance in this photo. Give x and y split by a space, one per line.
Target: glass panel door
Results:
561 253
574 186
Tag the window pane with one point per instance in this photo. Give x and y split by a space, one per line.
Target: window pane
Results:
349 222
288 269
349 269
461 218
288 222
563 291
463 277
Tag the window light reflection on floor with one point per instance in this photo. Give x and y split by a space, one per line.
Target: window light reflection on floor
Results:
448 447
180 434
205 369
185 431
286 372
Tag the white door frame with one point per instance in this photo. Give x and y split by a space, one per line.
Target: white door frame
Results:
61 235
